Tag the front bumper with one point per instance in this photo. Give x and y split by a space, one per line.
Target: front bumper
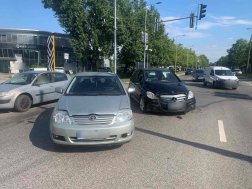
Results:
115 134
7 102
161 106
228 83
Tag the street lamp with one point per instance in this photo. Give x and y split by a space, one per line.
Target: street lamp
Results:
249 50
187 57
176 52
149 57
146 8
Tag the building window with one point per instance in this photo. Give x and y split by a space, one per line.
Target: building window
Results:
30 39
1 53
3 38
26 54
35 38
32 54
14 38
15 52
9 38
10 52
5 53
20 52
19 39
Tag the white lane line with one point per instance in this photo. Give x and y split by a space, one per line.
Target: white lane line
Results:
222 131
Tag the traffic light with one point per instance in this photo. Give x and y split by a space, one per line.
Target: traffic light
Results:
202 10
192 16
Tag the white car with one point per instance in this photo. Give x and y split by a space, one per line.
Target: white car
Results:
220 76
60 69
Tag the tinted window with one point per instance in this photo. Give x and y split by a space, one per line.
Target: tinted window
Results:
211 73
59 77
95 86
159 75
10 52
14 38
5 54
44 79
22 79
224 72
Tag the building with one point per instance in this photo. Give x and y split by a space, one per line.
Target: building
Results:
29 49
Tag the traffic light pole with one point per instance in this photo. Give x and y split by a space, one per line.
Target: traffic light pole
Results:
249 53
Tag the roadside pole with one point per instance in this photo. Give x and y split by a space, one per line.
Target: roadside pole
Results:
145 33
115 37
53 53
249 52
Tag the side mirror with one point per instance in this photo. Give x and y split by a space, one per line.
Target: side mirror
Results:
131 90
59 90
38 84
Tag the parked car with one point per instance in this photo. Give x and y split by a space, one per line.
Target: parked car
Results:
60 69
238 72
159 90
94 109
198 75
104 69
233 71
189 71
220 76
120 69
33 87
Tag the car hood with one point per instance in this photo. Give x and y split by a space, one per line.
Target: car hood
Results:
166 88
85 105
227 77
9 87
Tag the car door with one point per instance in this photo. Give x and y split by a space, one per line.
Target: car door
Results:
211 76
59 80
43 88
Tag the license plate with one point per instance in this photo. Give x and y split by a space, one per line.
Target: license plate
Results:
200 77
95 134
176 106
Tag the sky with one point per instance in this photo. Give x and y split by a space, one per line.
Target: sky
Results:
225 22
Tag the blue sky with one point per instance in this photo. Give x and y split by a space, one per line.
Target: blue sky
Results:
225 21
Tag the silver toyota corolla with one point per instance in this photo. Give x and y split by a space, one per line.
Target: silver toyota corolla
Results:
94 109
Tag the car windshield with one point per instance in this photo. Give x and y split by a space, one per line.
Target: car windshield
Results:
22 79
95 86
223 72
199 71
160 75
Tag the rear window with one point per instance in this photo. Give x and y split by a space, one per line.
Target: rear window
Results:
237 70
95 86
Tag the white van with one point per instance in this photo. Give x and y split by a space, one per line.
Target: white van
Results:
220 76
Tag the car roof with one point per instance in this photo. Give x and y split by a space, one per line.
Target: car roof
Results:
96 74
39 72
219 68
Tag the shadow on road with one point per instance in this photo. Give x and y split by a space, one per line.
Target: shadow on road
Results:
199 146
233 95
40 137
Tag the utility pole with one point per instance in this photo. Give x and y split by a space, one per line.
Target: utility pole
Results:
115 37
249 51
147 7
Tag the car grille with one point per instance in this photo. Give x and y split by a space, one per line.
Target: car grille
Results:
111 138
100 120
174 98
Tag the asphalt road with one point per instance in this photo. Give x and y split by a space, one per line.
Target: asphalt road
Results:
168 151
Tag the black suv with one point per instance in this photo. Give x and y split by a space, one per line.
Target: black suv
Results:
189 71
160 90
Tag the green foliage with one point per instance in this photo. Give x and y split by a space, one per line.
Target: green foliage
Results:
90 24
237 56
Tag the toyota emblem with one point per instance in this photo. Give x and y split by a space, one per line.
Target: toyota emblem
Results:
92 118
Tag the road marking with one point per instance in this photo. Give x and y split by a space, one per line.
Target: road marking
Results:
222 131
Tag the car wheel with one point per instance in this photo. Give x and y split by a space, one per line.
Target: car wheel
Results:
23 103
142 105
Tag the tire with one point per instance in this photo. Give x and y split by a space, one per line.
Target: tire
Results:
23 103
235 88
142 105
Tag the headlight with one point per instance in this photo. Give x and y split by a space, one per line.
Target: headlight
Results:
3 94
62 117
151 95
123 115
190 95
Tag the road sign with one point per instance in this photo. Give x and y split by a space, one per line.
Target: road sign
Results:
66 56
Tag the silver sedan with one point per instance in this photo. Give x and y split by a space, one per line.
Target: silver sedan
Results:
94 109
28 88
